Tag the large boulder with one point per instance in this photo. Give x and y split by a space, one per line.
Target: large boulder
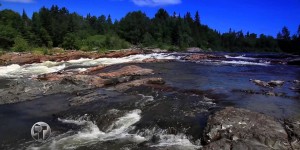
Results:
234 128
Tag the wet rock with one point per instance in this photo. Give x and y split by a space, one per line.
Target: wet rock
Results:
292 126
86 79
270 84
26 89
260 83
234 128
92 70
28 58
131 70
274 83
121 53
154 60
125 86
82 99
296 81
196 57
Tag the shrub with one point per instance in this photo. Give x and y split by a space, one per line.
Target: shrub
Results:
20 45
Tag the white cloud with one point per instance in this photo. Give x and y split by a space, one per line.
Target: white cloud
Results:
155 2
19 1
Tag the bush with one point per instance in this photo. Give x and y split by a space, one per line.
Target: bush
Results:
104 42
20 45
40 51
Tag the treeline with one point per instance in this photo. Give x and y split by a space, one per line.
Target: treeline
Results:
57 27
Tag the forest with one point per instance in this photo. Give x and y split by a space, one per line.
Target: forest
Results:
57 27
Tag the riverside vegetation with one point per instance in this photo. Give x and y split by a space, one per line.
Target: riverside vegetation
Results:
57 27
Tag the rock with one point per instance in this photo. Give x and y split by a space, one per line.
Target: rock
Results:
154 60
131 70
292 126
28 58
196 57
243 129
121 53
85 79
260 83
125 86
270 84
92 70
274 83
296 81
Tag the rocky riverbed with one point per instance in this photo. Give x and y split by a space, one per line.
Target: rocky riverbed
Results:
136 100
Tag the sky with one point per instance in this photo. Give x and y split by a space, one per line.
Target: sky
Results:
256 16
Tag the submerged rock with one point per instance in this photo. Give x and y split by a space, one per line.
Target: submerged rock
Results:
235 128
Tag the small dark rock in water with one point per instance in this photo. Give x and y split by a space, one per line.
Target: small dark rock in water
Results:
260 83
270 84
296 81
234 128
274 83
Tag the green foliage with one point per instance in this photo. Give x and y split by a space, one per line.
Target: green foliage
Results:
7 36
20 45
133 27
71 42
104 42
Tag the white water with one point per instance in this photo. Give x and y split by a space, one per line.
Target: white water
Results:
30 70
180 140
240 57
246 63
91 134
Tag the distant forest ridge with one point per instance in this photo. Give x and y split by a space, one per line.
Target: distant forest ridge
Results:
57 27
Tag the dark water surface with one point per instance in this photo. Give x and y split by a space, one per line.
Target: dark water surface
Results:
145 118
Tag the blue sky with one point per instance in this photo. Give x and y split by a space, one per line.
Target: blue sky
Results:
258 16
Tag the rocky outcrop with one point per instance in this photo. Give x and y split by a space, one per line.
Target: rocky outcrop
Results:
28 58
154 60
234 128
147 81
292 126
197 57
131 70
121 53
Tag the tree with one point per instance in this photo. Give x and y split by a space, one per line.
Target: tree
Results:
285 33
20 44
298 31
133 27
197 19
70 42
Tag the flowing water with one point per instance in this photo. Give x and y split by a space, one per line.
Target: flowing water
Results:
144 117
